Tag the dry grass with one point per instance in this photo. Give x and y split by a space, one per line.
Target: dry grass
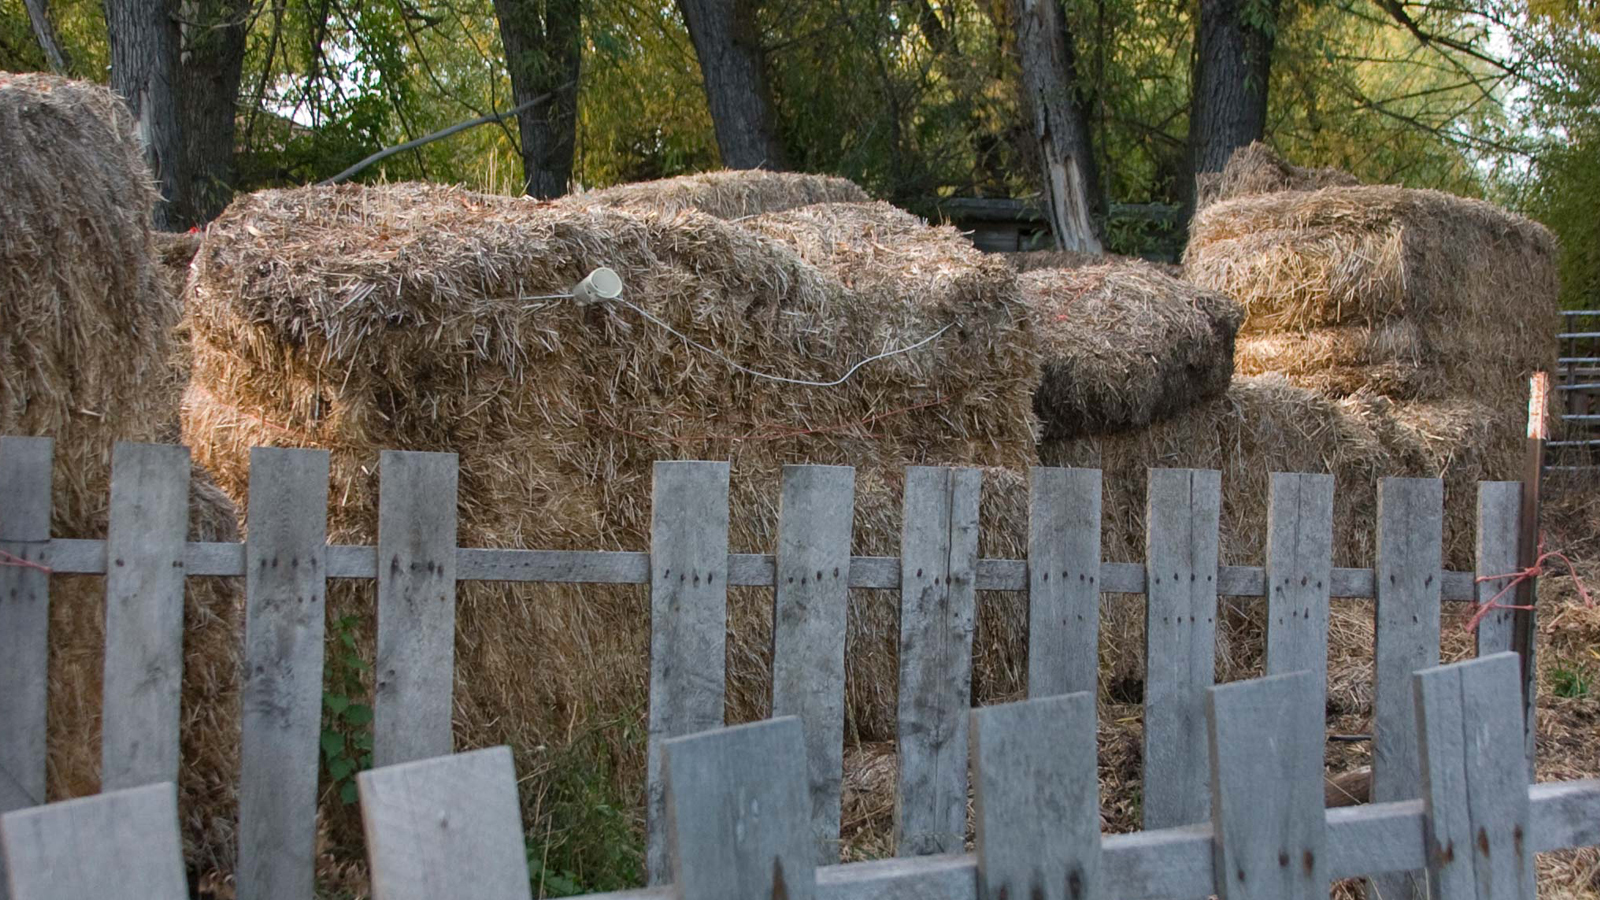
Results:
727 194
1029 260
1258 169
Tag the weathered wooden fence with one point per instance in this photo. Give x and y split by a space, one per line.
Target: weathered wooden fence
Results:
286 563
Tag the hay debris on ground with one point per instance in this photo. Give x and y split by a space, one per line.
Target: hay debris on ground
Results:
725 194
1125 345
1258 169
86 339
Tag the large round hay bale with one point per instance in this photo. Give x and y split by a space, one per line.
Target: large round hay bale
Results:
86 340
726 194
1125 345
1258 169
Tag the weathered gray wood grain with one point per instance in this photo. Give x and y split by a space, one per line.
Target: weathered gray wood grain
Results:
449 826
24 620
938 612
1063 581
1299 574
144 615
810 607
1037 798
738 816
688 623
1266 788
1410 549
1499 509
416 607
282 692
117 844
1475 780
1184 509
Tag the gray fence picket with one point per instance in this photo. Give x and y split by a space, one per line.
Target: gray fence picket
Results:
1265 737
810 608
117 844
1499 511
282 693
1037 799
938 612
688 623
739 821
416 607
24 620
144 615
1410 552
1183 516
1063 581
1475 784
450 826
1299 576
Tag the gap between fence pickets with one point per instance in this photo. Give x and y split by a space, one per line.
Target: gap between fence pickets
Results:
1178 862
88 557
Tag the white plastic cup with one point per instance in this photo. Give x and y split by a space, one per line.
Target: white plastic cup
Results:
600 285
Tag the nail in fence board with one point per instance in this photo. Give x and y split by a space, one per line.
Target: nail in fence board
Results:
808 630
1265 737
282 694
1410 548
1184 509
1063 581
1475 781
445 827
1299 575
739 821
118 844
1037 799
688 623
938 611
24 620
1499 508
144 614
416 606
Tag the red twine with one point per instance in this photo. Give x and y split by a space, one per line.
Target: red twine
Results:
1531 572
6 559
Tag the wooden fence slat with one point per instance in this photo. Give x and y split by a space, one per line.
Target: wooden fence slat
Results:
1265 737
24 620
1475 782
1410 551
938 612
688 623
810 608
450 826
144 615
1499 512
282 693
1299 577
1063 581
1183 516
739 821
117 844
1037 799
416 607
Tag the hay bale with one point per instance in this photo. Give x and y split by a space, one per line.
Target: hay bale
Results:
86 333
1474 285
358 319
726 194
1258 169
1125 345
176 251
1029 260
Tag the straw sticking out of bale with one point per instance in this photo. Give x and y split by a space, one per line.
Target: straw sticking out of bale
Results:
727 194
1125 345
1029 260
1258 169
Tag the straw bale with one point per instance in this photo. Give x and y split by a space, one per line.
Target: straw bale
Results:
1258 169
726 194
358 319
1389 359
85 338
1126 345
1028 260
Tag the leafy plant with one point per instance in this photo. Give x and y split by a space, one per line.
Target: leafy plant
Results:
1570 681
346 724
585 838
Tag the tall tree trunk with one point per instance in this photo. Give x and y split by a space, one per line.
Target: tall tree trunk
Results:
1060 128
213 35
1233 59
144 71
543 41
44 31
733 67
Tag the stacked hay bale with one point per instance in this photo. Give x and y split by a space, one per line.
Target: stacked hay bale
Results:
1029 260
86 335
424 318
1258 169
727 194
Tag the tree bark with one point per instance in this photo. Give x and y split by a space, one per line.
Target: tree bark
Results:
45 32
213 36
727 42
144 71
1233 59
1060 128
543 42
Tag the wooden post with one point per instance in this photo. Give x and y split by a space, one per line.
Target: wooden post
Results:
1499 554
1063 581
24 620
118 844
1299 578
1523 623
